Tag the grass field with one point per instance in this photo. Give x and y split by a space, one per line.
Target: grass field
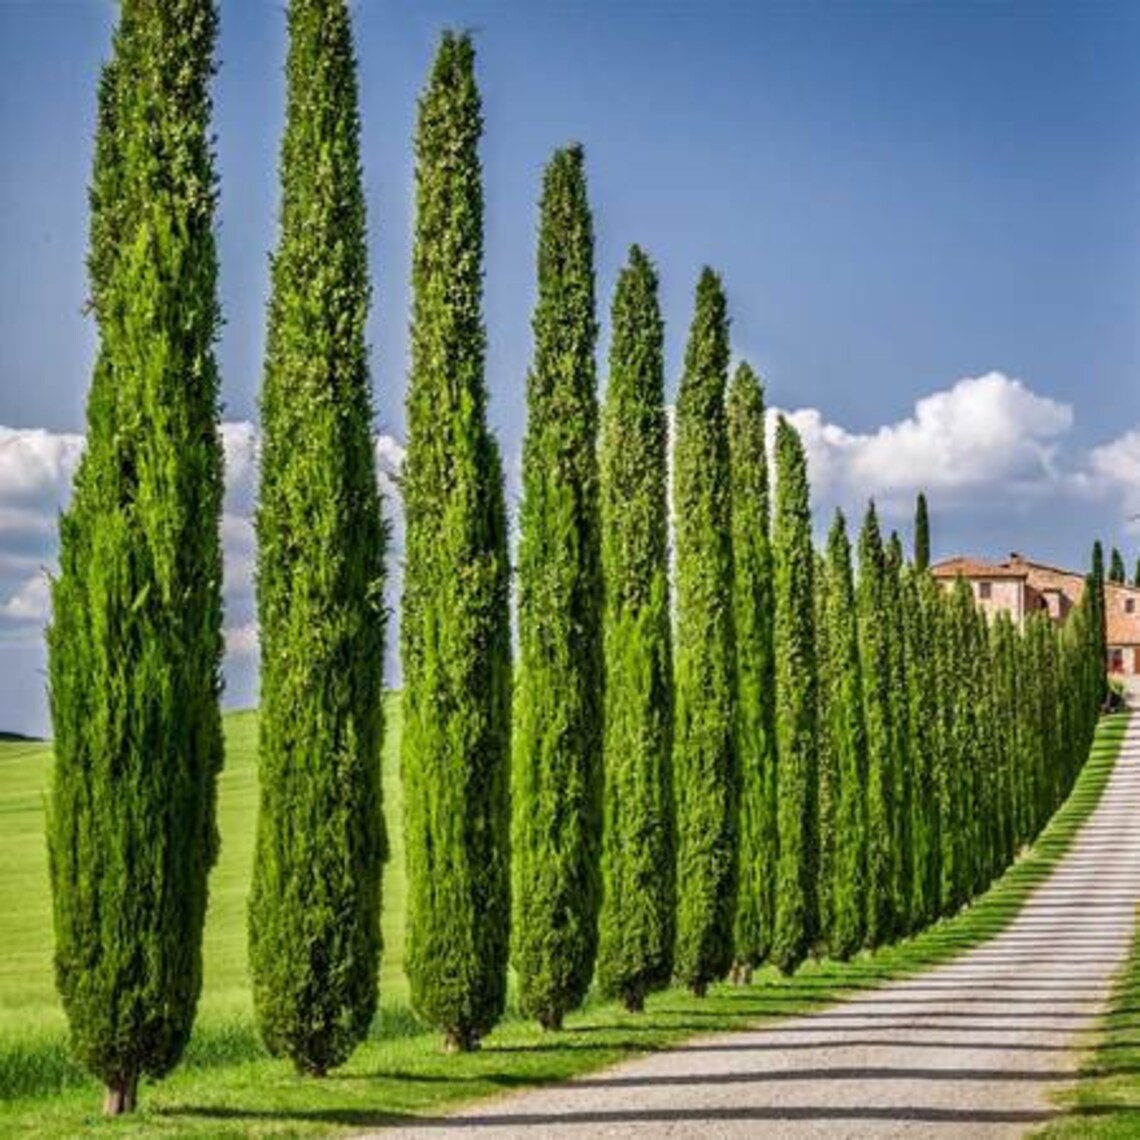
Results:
1105 1105
229 1087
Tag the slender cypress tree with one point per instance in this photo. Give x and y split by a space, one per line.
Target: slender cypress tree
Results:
753 618
557 745
848 736
637 923
314 911
1136 574
793 558
1098 615
827 761
922 700
903 851
875 661
705 769
455 631
921 535
1117 572
135 642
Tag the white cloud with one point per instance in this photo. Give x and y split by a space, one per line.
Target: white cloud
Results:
31 601
36 465
987 434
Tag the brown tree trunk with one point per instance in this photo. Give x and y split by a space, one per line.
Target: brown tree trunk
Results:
550 1020
460 1041
699 989
121 1095
634 1001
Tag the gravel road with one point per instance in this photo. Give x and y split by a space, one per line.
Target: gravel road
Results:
973 1049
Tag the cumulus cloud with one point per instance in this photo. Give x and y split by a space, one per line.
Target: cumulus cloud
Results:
36 470
986 432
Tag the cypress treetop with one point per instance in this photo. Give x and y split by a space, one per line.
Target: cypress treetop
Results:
455 622
637 924
921 535
1117 572
314 911
558 714
135 642
705 770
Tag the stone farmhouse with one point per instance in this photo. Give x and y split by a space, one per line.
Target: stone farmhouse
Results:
1020 587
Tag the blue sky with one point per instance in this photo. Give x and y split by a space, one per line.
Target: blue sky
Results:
911 204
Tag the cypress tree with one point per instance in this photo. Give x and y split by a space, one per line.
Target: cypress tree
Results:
314 911
753 619
827 764
1117 572
557 744
705 768
1098 630
875 662
455 628
637 922
1136 574
135 641
921 535
903 856
847 733
796 695
926 698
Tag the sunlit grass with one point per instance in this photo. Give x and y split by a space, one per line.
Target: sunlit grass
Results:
228 1086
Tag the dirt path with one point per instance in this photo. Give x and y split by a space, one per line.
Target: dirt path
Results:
972 1049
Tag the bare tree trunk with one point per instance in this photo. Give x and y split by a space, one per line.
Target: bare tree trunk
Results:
121 1095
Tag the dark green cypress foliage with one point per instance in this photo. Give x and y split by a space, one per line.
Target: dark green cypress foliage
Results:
827 761
753 618
455 629
921 695
875 662
1136 574
928 699
921 535
1097 615
847 734
1117 572
135 642
557 721
637 921
797 912
314 911
705 769
958 852
900 730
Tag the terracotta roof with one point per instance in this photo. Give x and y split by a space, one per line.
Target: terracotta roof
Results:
974 568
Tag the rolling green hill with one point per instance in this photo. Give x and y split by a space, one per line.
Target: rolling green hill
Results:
27 991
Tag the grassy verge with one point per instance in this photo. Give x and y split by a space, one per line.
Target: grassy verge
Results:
228 1087
1105 1104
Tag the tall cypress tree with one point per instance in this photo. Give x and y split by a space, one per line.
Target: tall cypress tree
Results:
847 732
827 760
875 661
1117 572
895 602
921 534
793 559
557 745
753 618
314 911
1098 614
637 923
455 629
1136 574
135 642
705 769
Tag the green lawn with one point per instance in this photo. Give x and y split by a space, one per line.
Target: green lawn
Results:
228 1087
1105 1105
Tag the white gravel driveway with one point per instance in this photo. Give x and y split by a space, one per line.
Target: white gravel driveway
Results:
971 1049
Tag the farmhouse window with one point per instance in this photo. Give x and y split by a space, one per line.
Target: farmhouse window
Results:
985 590
1130 606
